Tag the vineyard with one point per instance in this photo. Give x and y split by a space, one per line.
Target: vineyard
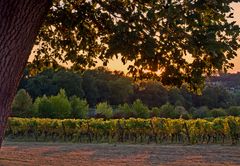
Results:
154 130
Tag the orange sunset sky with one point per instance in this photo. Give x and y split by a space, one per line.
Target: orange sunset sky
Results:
236 61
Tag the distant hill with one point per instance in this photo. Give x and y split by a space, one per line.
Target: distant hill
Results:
229 81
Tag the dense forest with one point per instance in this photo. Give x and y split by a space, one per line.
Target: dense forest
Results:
111 94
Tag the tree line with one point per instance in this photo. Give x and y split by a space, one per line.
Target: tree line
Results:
103 93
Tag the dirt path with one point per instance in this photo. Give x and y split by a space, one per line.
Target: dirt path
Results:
34 154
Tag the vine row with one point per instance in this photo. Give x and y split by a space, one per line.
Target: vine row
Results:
154 130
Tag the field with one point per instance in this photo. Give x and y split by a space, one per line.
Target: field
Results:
23 153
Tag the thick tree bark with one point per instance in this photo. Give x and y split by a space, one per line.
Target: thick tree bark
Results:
20 21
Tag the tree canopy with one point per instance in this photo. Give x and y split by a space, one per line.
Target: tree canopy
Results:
101 85
156 35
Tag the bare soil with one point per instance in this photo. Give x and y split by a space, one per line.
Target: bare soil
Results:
67 154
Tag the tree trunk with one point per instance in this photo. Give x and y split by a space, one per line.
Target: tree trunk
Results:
20 21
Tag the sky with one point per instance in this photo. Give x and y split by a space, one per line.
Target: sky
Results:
236 60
